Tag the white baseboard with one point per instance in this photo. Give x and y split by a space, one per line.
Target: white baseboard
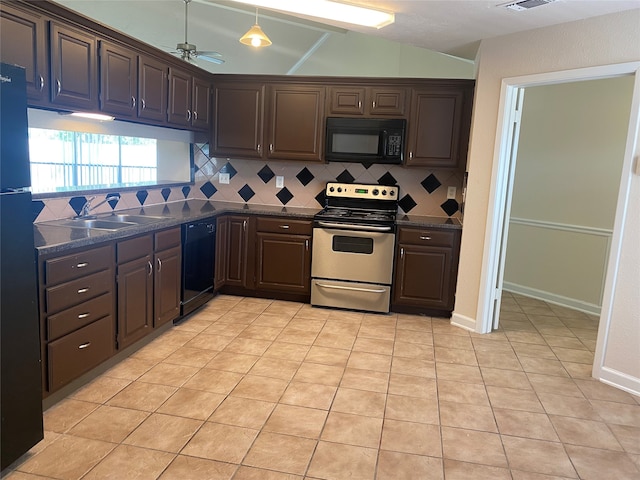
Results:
553 298
463 321
620 380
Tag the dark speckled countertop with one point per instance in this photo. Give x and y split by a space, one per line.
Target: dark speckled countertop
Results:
50 238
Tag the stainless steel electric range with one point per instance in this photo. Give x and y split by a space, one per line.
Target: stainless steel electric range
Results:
353 245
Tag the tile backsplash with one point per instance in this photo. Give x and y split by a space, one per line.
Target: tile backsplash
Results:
422 191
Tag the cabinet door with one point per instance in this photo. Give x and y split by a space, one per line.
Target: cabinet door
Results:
237 120
167 285
387 101
179 112
152 89
237 259
74 70
435 127
346 100
283 263
22 42
135 300
295 124
201 98
222 241
423 277
118 80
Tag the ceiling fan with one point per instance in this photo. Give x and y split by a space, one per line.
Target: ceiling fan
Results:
188 51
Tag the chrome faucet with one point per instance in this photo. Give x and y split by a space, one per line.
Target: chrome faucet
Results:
87 208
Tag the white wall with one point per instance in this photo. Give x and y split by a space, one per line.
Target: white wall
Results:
569 160
605 40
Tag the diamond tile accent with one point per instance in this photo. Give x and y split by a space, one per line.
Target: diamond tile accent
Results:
321 198
305 176
387 179
246 192
77 203
431 183
114 203
208 189
345 177
36 208
266 174
228 168
166 193
450 206
407 203
186 190
284 195
367 165
142 195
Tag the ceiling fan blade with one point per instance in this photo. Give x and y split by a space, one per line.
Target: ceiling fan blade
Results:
218 61
209 53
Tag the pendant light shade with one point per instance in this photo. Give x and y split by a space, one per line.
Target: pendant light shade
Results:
255 37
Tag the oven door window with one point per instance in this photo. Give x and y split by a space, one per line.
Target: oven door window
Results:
343 243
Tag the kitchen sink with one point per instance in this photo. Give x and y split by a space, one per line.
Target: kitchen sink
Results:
95 223
137 219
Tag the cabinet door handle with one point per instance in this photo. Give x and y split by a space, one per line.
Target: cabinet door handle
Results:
244 225
41 83
284 227
359 104
83 315
58 87
410 155
306 245
82 265
159 264
143 104
259 149
83 290
133 102
424 237
84 345
188 115
195 115
373 104
150 267
271 147
401 252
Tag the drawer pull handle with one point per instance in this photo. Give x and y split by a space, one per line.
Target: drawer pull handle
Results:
284 227
354 289
84 345
82 265
424 237
83 315
83 290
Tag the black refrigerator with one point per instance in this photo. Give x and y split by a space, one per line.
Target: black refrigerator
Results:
20 367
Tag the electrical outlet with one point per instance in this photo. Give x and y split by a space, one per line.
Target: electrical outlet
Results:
223 178
279 181
451 193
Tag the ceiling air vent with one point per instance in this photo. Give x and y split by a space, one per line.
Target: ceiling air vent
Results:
526 4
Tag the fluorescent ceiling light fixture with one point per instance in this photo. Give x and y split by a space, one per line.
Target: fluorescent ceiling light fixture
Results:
89 115
329 10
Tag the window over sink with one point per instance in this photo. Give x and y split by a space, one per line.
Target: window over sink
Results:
77 155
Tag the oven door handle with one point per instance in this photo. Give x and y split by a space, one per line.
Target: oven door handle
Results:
342 226
355 289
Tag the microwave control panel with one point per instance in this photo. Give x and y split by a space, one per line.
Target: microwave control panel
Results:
394 145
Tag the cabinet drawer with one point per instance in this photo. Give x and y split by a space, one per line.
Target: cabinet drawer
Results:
77 291
135 248
80 351
77 317
63 269
284 225
167 239
427 237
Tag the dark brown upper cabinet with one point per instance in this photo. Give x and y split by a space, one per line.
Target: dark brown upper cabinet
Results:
367 101
295 122
189 99
74 69
237 120
152 89
439 126
118 80
23 42
201 104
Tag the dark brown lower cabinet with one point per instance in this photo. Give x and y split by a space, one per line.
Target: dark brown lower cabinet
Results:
426 270
167 276
283 263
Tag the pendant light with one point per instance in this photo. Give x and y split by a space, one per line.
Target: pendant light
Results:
255 37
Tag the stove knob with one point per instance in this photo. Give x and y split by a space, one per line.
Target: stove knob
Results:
392 193
339 189
331 189
375 191
384 192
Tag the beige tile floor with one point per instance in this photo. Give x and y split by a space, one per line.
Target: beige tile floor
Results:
258 389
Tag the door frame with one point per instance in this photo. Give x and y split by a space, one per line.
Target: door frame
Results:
501 186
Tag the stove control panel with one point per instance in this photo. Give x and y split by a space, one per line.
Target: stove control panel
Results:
363 191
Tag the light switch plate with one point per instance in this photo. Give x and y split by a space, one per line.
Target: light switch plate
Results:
223 178
451 193
279 181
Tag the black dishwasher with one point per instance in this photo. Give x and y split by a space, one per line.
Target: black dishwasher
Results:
198 263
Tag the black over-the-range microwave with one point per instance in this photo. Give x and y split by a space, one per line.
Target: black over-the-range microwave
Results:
366 140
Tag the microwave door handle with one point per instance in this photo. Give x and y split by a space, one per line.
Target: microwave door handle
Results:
385 141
